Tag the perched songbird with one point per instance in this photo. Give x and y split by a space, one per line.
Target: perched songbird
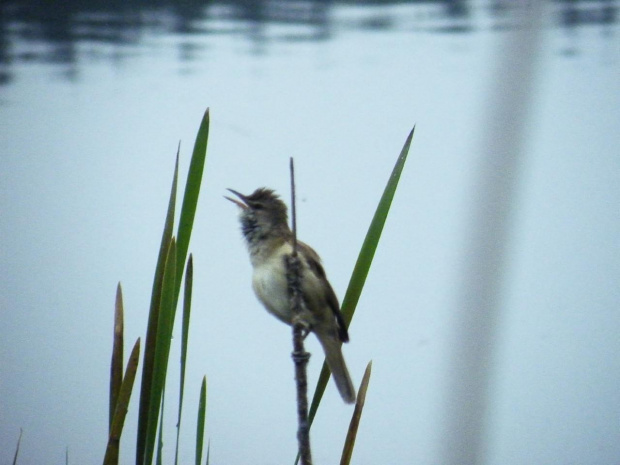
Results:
264 223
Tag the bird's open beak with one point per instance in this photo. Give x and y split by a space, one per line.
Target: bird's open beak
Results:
241 204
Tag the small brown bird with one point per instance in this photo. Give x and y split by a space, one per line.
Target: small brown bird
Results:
264 224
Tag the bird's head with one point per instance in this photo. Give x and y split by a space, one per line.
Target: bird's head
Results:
263 214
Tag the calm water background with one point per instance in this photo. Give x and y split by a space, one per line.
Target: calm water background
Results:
93 101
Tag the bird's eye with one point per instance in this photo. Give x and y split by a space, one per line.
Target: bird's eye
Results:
257 206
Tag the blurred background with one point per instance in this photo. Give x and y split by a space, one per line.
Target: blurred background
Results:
491 312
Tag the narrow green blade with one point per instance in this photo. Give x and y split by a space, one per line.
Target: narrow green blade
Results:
162 350
190 198
200 425
364 260
122 405
151 332
187 307
367 253
116 365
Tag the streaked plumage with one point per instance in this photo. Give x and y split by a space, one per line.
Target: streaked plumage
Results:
264 224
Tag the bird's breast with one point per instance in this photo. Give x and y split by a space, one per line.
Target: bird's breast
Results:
270 285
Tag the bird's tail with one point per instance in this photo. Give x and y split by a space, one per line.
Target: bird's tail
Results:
333 354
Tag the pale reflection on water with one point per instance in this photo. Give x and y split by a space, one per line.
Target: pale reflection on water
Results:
71 32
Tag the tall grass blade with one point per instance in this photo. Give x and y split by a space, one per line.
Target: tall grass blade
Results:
349 443
367 253
153 378
207 461
364 260
200 424
162 350
116 366
122 405
187 306
190 197
151 332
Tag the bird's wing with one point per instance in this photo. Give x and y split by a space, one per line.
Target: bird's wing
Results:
314 262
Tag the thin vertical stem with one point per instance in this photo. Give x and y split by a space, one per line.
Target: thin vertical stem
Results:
293 207
300 356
